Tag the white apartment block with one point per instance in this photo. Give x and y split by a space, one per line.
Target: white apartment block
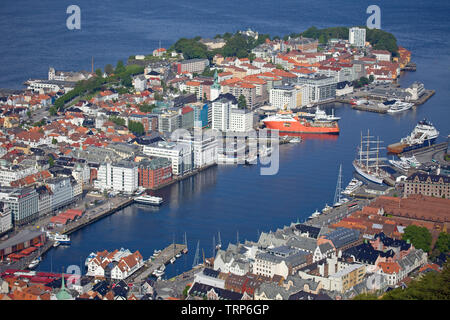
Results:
227 117
121 176
241 120
269 265
23 203
357 36
180 155
288 96
5 217
204 149
9 174
62 192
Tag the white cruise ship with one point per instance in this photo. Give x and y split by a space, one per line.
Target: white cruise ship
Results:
397 106
146 199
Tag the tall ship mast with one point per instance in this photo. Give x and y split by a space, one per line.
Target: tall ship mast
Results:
368 162
338 199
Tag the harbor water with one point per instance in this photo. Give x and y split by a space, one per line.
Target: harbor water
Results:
229 199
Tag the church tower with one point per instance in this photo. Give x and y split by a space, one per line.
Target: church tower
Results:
215 88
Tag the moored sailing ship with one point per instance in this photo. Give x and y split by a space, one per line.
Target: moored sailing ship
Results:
369 163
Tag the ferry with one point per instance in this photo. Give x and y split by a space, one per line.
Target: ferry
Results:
424 134
397 106
62 238
352 186
286 121
34 263
146 199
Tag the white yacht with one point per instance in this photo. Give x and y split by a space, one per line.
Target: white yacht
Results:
146 199
352 186
34 263
315 214
321 115
173 260
397 106
326 208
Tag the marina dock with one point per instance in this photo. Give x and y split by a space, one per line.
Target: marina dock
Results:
104 210
152 264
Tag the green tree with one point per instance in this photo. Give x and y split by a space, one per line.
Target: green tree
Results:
53 110
420 237
431 286
443 243
54 141
242 102
117 120
366 296
51 162
145 107
136 127
127 81
29 114
157 96
99 72
109 69
120 67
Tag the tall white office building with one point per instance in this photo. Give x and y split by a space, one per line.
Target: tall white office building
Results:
357 36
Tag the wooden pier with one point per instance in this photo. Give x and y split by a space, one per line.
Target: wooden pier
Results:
427 95
155 263
370 109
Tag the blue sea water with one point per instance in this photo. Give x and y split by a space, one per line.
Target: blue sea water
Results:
228 199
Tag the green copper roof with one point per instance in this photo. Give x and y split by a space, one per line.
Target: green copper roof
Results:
216 84
63 294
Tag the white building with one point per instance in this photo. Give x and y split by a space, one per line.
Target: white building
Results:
121 176
12 173
203 277
241 120
320 87
268 265
23 203
285 96
204 149
226 116
382 55
357 36
5 218
180 155
140 83
62 193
